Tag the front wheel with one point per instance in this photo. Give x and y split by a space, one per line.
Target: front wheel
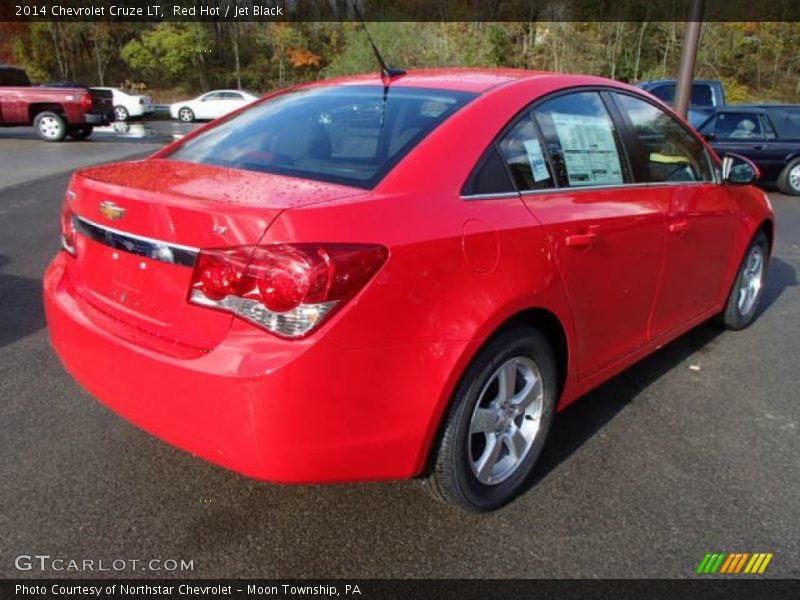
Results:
748 287
81 132
186 115
50 126
498 422
789 179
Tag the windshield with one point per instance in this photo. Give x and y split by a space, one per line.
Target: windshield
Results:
347 134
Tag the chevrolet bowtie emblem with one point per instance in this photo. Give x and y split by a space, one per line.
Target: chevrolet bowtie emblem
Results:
111 211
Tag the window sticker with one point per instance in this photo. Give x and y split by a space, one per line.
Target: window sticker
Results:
590 153
536 160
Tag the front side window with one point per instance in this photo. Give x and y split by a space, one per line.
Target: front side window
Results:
672 154
581 140
346 134
738 126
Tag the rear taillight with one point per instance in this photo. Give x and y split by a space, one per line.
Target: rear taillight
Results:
288 289
68 229
86 102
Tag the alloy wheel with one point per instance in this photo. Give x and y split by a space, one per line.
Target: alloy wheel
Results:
794 178
506 420
752 280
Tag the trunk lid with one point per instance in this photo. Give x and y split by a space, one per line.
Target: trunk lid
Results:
141 223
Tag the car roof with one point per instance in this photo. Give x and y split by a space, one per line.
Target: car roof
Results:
466 79
742 108
675 81
766 106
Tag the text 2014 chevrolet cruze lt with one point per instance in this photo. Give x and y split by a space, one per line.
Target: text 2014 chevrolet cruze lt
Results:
374 278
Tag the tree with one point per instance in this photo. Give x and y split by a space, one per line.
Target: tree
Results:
171 51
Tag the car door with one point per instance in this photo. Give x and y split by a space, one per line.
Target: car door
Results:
233 101
606 236
701 219
210 106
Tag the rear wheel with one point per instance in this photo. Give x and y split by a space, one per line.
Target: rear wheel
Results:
186 115
498 422
81 132
748 288
121 113
789 179
50 126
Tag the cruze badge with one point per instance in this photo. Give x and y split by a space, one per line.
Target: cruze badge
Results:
111 211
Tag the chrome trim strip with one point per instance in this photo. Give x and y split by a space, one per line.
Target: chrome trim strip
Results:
490 196
578 188
166 252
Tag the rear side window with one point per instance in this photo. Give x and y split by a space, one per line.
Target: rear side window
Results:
742 126
524 155
671 153
14 77
582 141
347 134
665 93
702 95
491 176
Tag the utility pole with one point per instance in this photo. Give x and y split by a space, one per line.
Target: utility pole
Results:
683 93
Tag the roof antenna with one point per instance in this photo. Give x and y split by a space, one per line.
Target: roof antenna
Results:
387 72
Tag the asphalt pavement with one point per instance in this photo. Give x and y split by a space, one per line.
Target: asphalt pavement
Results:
693 450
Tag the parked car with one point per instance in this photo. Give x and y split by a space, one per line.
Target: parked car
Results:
767 134
54 112
707 94
211 105
129 104
374 278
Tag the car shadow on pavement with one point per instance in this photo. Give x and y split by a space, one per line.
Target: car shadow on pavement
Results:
580 421
780 276
21 305
576 424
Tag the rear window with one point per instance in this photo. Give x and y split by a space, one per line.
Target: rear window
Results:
702 96
13 77
348 134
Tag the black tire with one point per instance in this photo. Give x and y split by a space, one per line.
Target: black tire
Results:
81 132
185 114
121 113
788 181
738 314
50 126
453 479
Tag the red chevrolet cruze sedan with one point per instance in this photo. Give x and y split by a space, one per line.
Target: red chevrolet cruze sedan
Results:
379 278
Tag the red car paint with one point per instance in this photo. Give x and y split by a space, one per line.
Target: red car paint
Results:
617 272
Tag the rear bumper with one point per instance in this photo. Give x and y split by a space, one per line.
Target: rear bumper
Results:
98 118
277 410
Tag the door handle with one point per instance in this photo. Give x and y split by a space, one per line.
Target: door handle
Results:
678 227
759 147
581 240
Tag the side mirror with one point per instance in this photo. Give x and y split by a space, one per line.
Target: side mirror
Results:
739 170
710 137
